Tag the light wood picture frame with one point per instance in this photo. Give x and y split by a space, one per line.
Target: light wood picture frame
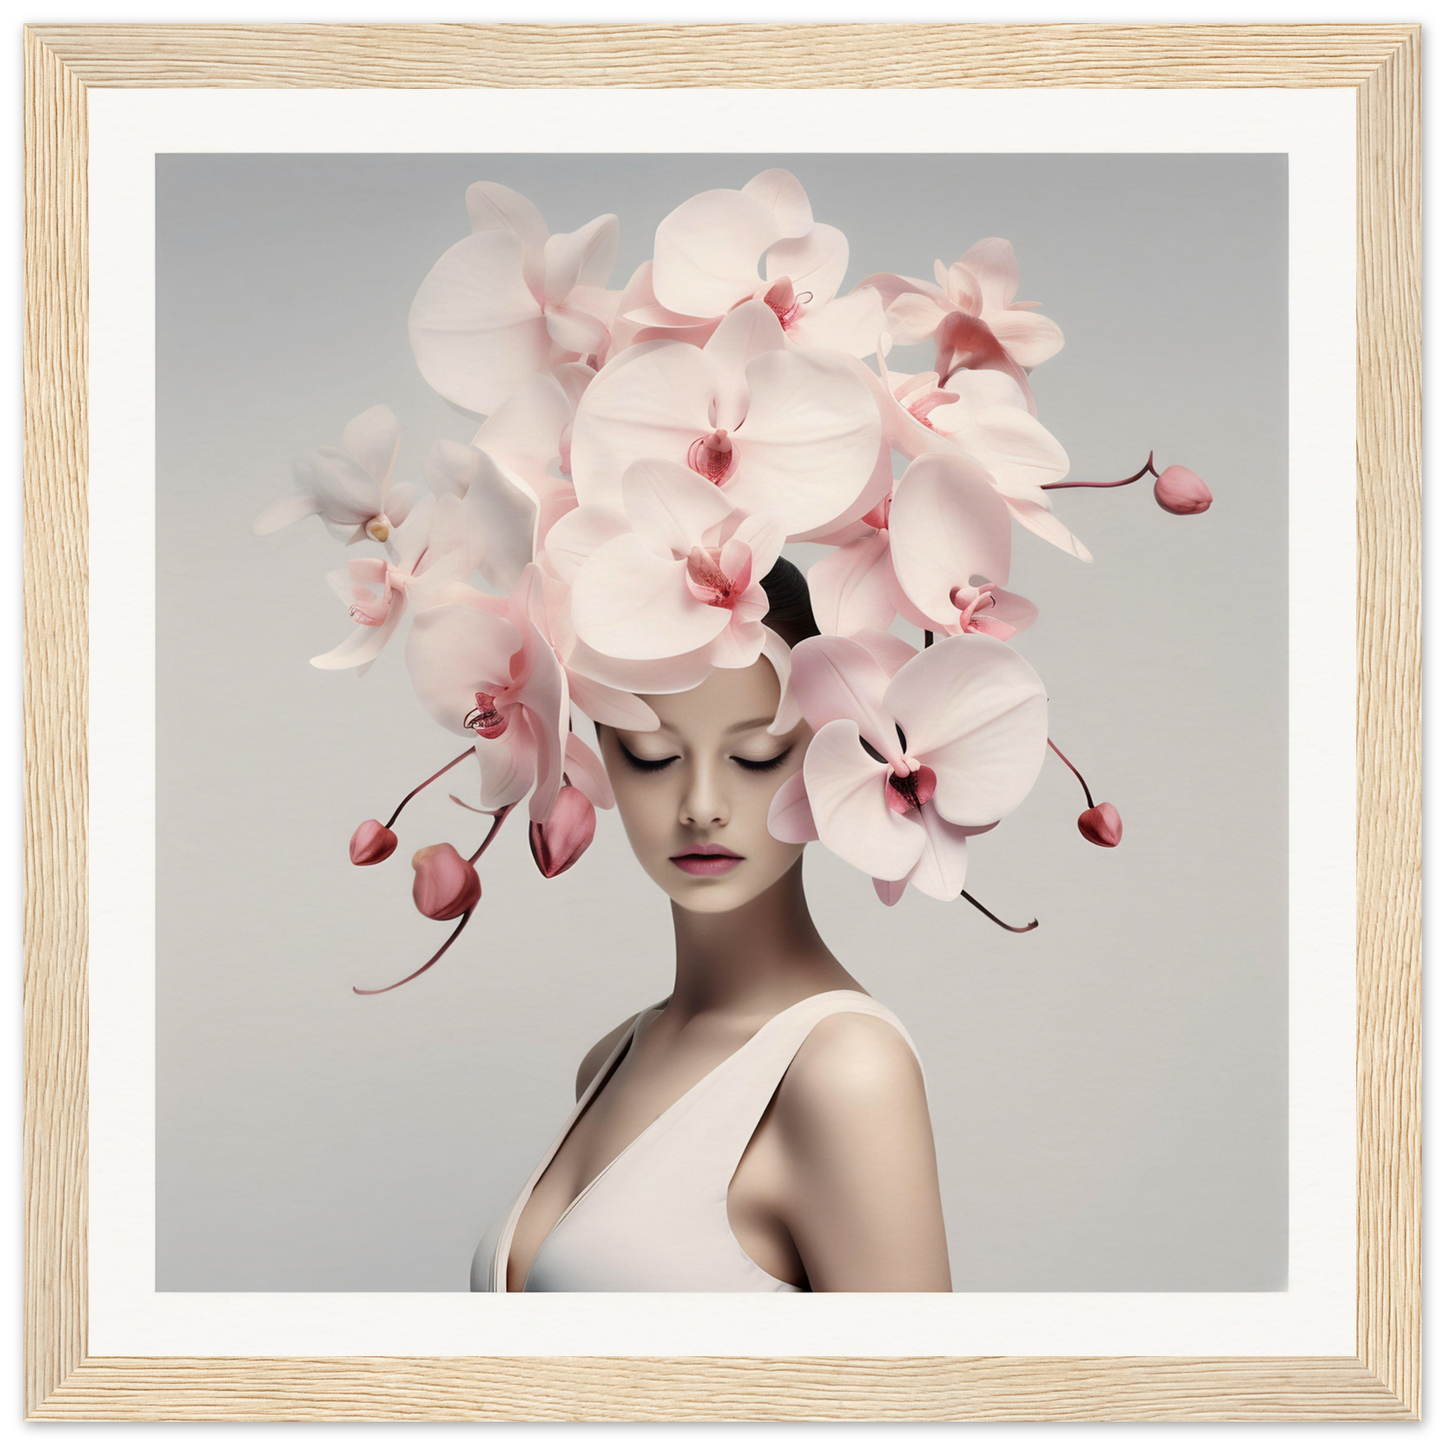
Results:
1381 1381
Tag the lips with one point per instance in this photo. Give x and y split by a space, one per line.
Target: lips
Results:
707 860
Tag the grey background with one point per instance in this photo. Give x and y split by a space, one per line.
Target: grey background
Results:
1108 1092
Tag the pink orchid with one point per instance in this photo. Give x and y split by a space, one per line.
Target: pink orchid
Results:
950 544
779 430
511 300
991 331
510 497
377 589
348 486
981 415
484 666
676 574
706 260
911 757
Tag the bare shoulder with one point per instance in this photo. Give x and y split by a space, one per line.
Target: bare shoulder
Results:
597 1055
852 1065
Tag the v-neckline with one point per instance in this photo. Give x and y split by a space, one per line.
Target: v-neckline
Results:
603 1077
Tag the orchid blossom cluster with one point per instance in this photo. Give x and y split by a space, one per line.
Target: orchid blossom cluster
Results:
644 453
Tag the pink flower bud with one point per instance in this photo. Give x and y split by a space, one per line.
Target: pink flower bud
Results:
564 836
446 885
372 843
1102 824
1179 491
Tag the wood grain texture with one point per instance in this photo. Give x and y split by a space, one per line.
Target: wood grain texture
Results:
1388 723
723 1389
1382 63
865 56
55 541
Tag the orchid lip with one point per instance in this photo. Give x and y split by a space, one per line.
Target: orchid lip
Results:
486 719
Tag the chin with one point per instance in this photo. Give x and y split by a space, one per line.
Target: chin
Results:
722 894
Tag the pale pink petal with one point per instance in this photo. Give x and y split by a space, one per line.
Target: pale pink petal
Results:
706 255
476 328
851 587
851 323
846 789
745 332
1012 610
848 525
1038 517
947 524
610 706
573 538
763 536
575 330
450 467
508 765
500 516
583 257
993 262
889 650
631 603
671 506
973 710
912 317
455 650
373 439
965 343
815 262
1019 453
963 288
811 438
282 513
544 695
523 433
365 643
888 892
586 773
1029 338
491 207
790 815
780 655
396 502
345 492
890 286
652 401
783 195
835 677
647 676
740 643
943 866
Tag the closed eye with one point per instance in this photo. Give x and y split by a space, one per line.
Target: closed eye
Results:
762 765
643 765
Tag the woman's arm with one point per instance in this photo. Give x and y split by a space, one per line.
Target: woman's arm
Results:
861 1194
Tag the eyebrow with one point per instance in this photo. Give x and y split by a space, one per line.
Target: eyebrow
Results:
756 722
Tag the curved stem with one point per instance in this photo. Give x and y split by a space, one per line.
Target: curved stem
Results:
1012 927
1088 796
420 786
1147 470
455 933
498 819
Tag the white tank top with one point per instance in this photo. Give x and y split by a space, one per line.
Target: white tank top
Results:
656 1218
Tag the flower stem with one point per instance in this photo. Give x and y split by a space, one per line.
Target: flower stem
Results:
1147 470
461 924
1012 927
498 818
420 786
1088 796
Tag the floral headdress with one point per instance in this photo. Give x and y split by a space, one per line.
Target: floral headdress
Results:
646 455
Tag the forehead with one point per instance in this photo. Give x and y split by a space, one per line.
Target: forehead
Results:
729 696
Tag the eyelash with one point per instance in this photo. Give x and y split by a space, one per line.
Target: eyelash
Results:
656 765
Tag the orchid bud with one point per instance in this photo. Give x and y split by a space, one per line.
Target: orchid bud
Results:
372 843
1178 490
446 885
565 834
1102 824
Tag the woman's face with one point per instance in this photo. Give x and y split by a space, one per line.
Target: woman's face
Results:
694 795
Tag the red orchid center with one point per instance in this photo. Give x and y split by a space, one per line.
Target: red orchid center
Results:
707 581
369 613
486 719
929 399
909 793
786 304
878 517
713 456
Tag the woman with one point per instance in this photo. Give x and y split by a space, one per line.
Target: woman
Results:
764 1127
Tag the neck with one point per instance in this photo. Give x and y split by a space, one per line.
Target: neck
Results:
759 958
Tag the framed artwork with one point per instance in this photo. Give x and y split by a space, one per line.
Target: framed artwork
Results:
1172 1080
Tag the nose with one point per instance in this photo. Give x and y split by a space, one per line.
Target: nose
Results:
704 799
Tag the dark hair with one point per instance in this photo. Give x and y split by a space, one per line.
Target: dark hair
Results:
790 609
